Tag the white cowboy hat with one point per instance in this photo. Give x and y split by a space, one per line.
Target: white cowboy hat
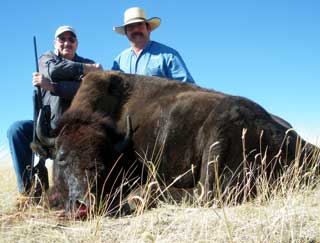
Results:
136 15
63 29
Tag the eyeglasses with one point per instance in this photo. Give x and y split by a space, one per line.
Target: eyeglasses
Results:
64 39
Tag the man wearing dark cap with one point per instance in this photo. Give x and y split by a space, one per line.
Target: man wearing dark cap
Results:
145 56
59 76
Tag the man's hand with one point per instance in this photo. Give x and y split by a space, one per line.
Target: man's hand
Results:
91 68
40 81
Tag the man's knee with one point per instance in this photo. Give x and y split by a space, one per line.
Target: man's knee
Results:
19 128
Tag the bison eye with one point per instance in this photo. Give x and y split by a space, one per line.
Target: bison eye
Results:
92 168
61 162
61 158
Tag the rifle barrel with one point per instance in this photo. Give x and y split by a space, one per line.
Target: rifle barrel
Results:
39 96
35 52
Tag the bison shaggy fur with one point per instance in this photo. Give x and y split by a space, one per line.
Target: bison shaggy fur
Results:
201 139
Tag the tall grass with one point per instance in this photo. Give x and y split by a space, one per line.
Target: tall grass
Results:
284 209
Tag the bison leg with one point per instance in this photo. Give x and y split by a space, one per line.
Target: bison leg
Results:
147 196
210 171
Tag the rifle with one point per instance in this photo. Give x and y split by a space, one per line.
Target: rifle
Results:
40 169
37 105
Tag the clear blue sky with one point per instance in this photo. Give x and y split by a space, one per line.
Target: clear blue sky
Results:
268 51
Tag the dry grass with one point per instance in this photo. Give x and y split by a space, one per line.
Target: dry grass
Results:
292 219
287 212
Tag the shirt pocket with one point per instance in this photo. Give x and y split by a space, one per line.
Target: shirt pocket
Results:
154 70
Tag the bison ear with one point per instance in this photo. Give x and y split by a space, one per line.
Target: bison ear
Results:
117 85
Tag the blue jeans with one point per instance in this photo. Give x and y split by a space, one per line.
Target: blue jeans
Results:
20 135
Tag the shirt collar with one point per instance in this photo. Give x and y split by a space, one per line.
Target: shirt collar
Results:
147 47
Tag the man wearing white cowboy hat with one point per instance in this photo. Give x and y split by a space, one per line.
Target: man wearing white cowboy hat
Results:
147 57
59 76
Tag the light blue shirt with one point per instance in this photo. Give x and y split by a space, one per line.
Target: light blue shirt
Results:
155 60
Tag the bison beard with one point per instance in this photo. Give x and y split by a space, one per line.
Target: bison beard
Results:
202 134
89 168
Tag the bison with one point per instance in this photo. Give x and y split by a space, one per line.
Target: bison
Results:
202 138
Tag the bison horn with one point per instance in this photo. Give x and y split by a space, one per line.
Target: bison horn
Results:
121 146
43 127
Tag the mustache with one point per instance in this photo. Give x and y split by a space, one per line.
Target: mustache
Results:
137 34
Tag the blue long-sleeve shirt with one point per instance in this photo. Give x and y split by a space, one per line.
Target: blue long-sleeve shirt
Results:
155 60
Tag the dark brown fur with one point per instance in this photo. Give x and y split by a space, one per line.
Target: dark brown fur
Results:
185 121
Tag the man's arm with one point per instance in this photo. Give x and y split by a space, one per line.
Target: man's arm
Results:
177 69
59 69
61 76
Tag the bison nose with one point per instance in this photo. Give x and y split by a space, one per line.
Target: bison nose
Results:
79 208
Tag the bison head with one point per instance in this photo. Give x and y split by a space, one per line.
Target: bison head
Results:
89 157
